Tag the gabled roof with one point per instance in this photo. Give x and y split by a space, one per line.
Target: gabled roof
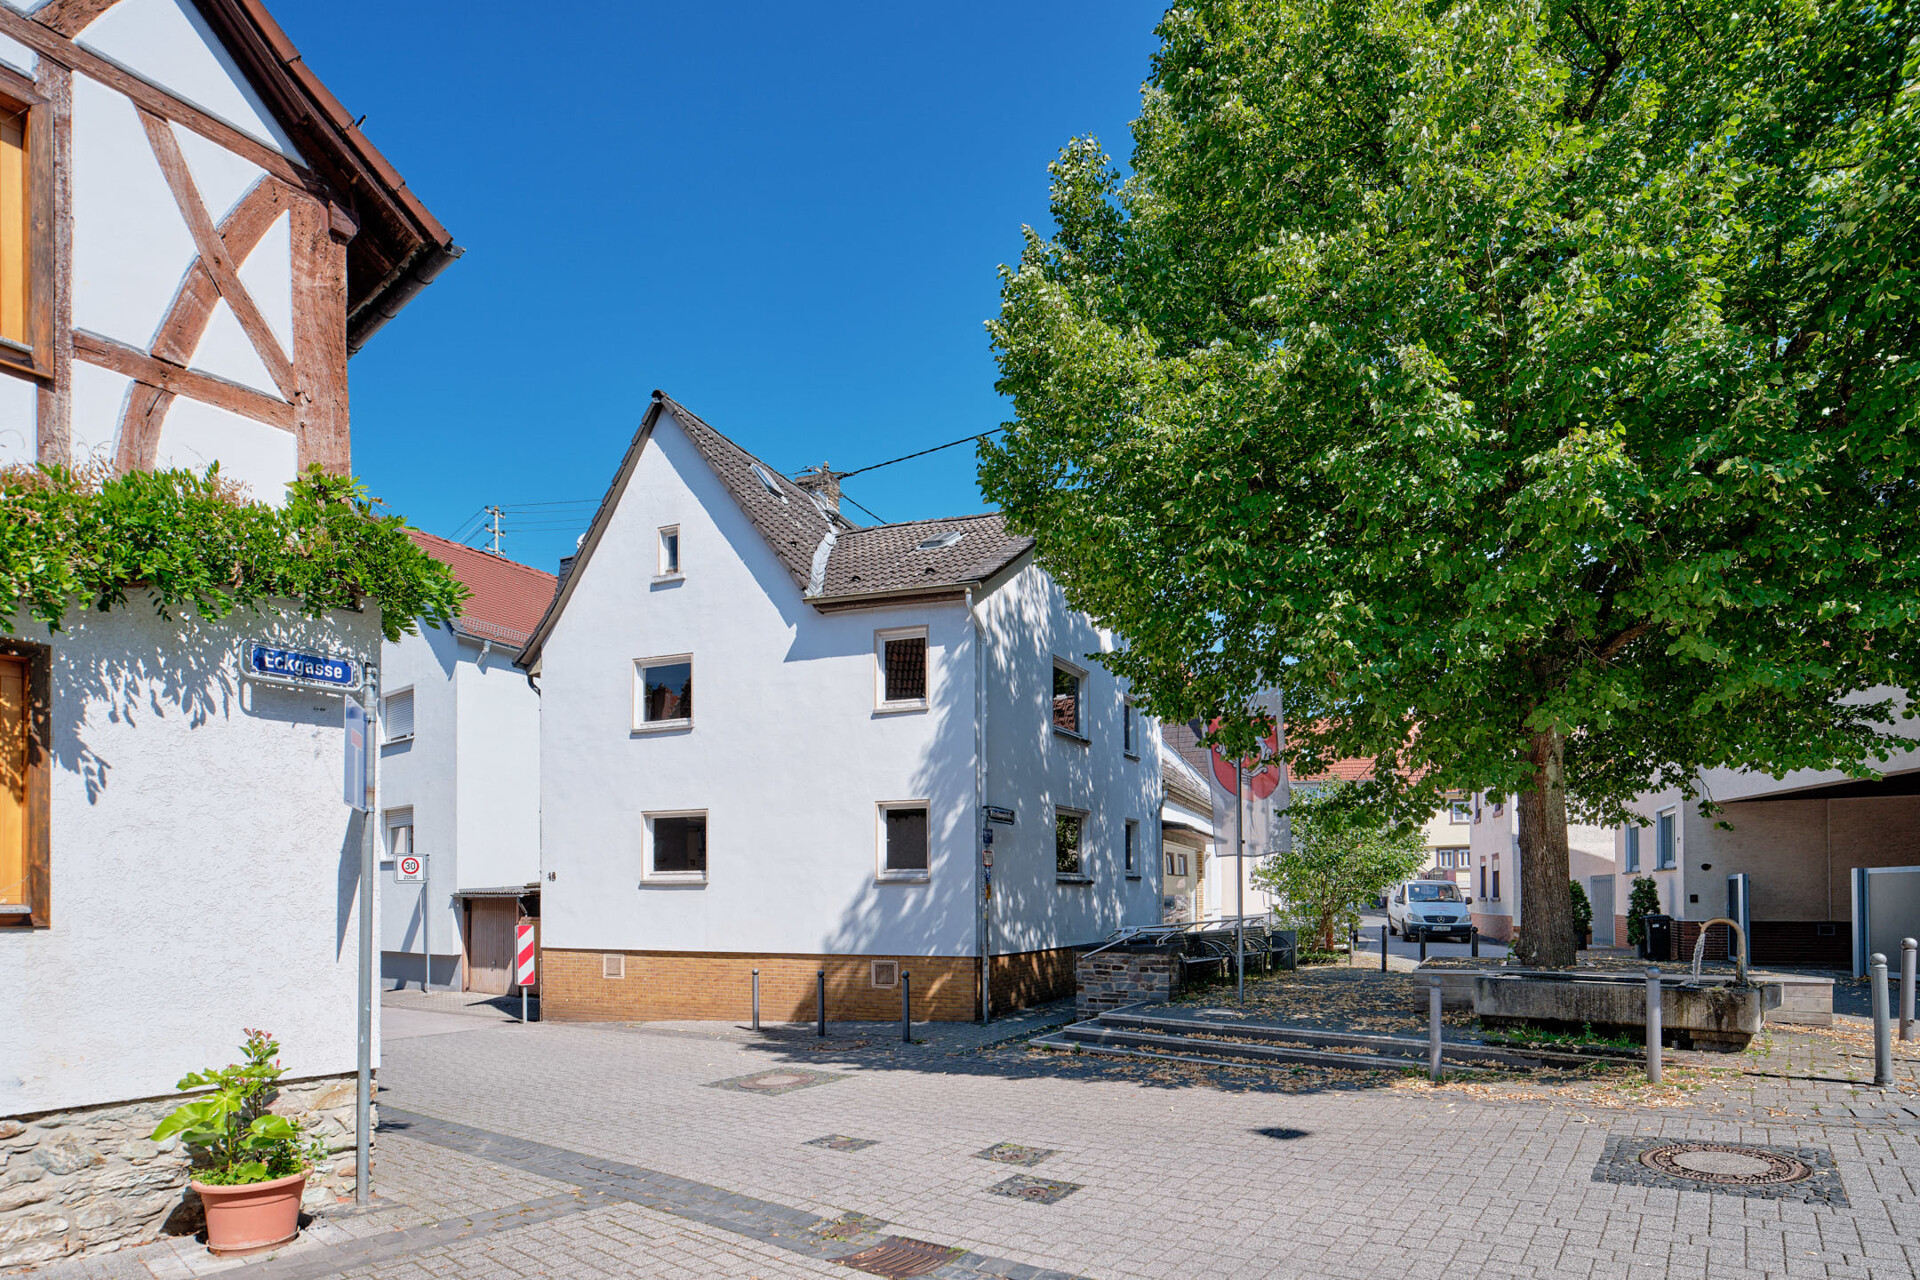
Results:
834 562
506 600
1182 781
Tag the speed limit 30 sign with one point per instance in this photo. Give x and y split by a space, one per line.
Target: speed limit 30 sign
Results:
410 870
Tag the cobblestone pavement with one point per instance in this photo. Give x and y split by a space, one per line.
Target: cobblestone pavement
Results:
574 1150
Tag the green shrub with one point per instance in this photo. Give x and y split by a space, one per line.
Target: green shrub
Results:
1582 909
234 1138
1643 901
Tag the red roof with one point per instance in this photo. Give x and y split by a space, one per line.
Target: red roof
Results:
507 599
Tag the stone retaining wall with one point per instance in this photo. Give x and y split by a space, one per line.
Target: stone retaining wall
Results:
88 1180
1107 979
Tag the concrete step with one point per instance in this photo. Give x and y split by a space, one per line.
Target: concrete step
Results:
1088 1035
1133 1018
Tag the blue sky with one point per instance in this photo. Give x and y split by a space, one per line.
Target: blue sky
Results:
788 216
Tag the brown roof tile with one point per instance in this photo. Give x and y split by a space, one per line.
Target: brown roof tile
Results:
506 598
888 557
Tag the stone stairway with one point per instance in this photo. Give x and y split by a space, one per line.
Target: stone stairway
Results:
1139 1031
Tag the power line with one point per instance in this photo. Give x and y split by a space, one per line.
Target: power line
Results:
921 454
869 510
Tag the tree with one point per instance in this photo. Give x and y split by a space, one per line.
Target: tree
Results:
1527 390
1341 854
1582 909
1643 900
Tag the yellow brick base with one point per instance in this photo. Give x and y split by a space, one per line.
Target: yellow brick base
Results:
675 985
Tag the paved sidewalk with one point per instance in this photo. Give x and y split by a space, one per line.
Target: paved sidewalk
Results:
702 1150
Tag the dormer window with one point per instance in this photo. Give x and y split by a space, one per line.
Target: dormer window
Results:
941 541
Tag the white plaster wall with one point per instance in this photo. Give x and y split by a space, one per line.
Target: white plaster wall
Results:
19 422
1590 852
1034 770
786 754
204 865
498 770
420 772
262 457
18 56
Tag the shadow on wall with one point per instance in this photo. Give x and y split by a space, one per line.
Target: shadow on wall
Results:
129 685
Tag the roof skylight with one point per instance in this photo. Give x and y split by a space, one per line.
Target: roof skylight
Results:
941 541
766 479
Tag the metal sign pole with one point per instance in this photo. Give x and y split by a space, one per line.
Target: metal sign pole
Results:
426 924
363 1087
1240 879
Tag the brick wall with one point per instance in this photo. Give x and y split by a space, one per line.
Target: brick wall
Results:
672 985
1773 942
1027 978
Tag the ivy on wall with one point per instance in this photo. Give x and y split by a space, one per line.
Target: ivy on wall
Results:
85 538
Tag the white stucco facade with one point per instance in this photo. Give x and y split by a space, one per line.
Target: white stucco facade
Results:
204 866
467 780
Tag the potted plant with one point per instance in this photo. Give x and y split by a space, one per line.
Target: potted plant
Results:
250 1166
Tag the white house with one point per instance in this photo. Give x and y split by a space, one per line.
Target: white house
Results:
460 779
193 236
1188 838
772 739
1494 851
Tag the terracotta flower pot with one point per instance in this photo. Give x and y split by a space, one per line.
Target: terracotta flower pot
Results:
253 1216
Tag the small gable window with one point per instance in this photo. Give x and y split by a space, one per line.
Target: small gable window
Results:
670 552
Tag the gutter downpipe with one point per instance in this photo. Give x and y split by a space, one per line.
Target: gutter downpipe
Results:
983 921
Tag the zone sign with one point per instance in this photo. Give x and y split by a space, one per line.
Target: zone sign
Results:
410 870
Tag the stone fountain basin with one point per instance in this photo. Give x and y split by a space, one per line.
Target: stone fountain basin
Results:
1704 1013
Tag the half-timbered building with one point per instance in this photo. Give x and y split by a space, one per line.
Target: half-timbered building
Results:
194 238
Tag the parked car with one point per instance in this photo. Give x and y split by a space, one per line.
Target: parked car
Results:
1429 909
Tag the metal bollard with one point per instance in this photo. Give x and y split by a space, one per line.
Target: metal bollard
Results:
1383 948
756 999
820 994
906 1007
1433 1031
1653 1025
1908 948
1423 948
1475 932
1882 1031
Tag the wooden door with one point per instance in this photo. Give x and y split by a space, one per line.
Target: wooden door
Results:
490 924
14 725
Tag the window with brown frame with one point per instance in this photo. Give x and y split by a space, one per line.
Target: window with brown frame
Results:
23 785
26 221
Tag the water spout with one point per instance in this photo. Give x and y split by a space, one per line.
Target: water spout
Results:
1739 950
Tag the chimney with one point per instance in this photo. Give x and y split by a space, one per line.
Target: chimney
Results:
823 483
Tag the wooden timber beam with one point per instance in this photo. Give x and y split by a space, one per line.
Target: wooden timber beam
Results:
220 393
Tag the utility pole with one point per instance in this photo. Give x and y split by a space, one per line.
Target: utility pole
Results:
493 526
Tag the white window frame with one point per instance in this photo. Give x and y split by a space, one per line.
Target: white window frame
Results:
1130 848
881 872
880 638
640 723
1460 813
1671 814
398 818
1083 875
387 736
647 874
1079 733
662 572
1630 847
1181 860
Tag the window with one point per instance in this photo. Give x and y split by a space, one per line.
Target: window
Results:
25 884
1132 844
677 848
1181 859
1630 837
900 669
1666 840
1129 729
765 478
1483 879
398 713
1496 884
1068 825
941 541
1170 862
663 692
26 203
15 238
399 832
903 840
1460 812
1068 684
669 552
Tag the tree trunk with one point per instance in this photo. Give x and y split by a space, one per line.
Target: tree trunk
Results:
1546 903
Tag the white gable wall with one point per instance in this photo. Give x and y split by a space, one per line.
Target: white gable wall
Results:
786 754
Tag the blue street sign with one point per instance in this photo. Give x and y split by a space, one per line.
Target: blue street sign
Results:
291 666
354 774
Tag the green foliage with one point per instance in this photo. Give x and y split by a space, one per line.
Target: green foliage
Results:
1642 900
1342 853
1494 379
71 537
234 1137
1582 908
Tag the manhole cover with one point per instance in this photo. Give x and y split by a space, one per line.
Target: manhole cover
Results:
1014 1153
1725 1165
776 1082
898 1257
